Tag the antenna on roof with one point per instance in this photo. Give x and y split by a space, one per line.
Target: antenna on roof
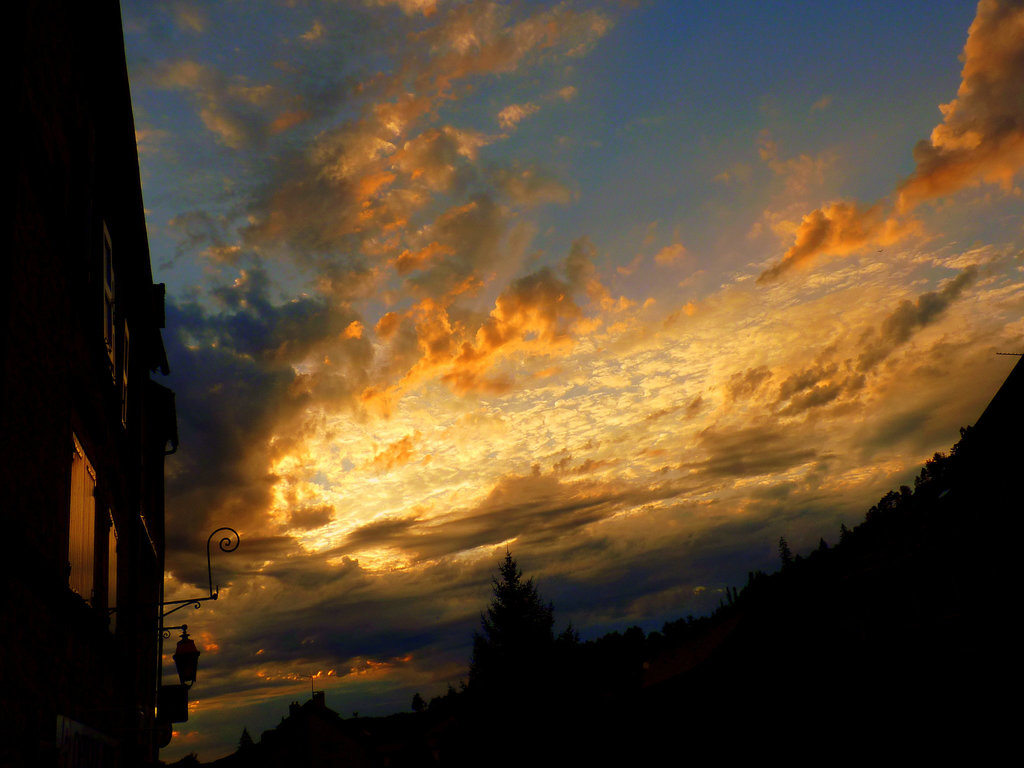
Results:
1014 354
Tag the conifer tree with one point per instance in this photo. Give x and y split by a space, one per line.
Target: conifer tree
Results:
245 740
516 638
785 553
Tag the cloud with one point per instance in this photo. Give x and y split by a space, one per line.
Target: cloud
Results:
310 517
513 114
189 16
815 386
229 107
910 316
981 137
252 368
530 186
670 254
800 173
743 384
433 157
822 104
462 242
751 451
838 229
315 32
534 509
980 140
287 120
361 183
204 232
536 313
401 452
475 39
425 7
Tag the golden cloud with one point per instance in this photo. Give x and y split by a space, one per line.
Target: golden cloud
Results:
670 254
513 114
838 229
980 140
981 137
395 454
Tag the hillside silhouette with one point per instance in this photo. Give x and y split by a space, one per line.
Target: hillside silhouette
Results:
892 641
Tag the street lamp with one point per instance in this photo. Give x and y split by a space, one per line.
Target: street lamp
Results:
186 658
172 700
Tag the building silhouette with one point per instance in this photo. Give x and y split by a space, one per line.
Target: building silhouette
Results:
84 427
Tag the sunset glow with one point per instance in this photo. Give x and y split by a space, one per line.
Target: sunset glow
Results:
630 288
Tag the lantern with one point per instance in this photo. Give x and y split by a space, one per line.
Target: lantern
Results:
186 659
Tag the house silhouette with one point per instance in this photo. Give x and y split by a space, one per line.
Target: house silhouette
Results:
84 425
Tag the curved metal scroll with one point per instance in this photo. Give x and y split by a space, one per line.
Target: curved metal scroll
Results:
227 543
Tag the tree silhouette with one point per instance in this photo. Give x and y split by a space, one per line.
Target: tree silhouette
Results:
515 644
418 704
245 740
785 553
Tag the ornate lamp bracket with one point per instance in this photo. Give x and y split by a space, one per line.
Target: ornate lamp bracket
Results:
227 543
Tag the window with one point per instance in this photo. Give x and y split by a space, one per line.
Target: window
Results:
108 297
124 375
82 528
112 568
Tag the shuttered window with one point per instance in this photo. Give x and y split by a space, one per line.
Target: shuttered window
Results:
124 375
82 528
112 569
108 299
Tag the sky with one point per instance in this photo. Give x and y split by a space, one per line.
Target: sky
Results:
630 288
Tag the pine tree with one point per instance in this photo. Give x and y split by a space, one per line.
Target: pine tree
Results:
785 553
418 704
516 640
245 740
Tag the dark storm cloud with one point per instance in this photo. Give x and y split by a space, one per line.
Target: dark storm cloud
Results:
534 508
307 518
469 236
909 317
805 379
743 384
538 510
816 386
238 366
750 451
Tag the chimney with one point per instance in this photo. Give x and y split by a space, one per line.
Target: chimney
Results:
319 701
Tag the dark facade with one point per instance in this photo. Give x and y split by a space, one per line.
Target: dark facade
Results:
84 428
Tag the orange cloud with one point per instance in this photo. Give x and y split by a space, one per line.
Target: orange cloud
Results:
408 260
981 137
388 324
513 114
535 314
287 120
474 40
670 254
980 140
530 186
395 454
799 173
536 311
409 7
838 229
